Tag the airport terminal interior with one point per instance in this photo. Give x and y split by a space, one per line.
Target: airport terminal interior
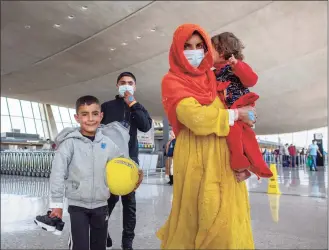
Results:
53 52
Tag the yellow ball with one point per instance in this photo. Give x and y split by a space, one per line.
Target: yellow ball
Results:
121 176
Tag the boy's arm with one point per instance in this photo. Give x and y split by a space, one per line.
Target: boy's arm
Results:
59 170
247 76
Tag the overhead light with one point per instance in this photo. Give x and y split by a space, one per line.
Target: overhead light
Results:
124 44
70 17
110 59
57 25
27 27
84 7
154 29
138 37
112 49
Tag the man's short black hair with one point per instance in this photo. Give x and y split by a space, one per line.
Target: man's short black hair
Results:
126 74
86 100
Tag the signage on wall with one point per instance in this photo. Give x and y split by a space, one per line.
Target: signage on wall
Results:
318 136
146 140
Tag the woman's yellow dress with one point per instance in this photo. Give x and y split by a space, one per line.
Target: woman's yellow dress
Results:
210 209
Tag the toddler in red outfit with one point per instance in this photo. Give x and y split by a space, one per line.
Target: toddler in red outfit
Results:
234 77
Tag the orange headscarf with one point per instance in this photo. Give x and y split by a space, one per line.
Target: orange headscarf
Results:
183 80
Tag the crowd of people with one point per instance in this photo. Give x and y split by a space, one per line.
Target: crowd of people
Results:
289 156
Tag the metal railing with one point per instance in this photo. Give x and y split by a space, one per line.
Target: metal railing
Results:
38 163
21 185
27 163
299 160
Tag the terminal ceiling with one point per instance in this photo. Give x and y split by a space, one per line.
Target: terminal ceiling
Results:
54 52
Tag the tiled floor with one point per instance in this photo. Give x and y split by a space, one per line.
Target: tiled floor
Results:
299 222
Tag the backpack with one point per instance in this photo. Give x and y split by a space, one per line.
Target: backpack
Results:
171 147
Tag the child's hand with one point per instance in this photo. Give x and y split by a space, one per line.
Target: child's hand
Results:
140 178
242 176
232 60
56 212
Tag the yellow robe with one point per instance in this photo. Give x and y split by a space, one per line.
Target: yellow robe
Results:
210 209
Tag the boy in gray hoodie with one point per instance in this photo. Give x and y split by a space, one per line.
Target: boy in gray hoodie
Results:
78 170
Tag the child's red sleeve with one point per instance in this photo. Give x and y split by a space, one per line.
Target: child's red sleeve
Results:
247 76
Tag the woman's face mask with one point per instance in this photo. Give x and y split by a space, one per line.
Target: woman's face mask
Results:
194 57
124 88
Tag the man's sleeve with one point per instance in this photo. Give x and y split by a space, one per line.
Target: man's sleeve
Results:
103 109
140 117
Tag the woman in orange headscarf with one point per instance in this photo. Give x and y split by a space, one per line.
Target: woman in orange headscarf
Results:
210 208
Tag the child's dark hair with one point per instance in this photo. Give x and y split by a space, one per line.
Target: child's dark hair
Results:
227 44
86 100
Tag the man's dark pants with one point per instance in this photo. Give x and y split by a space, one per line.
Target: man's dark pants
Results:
129 215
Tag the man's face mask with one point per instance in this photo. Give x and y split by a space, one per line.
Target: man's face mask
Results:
194 57
124 88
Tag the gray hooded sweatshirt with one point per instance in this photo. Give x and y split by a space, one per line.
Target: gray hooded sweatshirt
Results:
78 168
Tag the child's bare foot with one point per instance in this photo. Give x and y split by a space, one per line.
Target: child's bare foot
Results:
242 176
240 170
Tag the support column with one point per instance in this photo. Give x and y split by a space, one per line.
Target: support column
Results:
51 122
165 130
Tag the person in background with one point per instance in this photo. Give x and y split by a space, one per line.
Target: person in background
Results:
297 157
292 153
276 155
47 145
131 114
313 149
285 156
302 156
281 153
170 154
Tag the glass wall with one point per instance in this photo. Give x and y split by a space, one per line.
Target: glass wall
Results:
64 117
27 117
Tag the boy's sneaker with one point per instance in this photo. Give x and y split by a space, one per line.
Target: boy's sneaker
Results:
59 228
54 225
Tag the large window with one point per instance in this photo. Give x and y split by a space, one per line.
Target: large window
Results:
64 117
27 117
300 139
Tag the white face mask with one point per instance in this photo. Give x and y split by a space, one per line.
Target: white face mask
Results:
194 57
124 88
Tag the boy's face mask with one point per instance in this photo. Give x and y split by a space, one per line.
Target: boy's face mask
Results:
194 57
124 88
